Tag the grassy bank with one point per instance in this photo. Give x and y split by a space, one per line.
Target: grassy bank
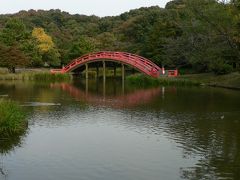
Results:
17 76
36 76
92 73
12 118
231 81
51 77
141 80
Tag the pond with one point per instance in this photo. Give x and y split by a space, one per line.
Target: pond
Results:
94 131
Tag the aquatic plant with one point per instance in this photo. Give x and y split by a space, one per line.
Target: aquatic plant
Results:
12 118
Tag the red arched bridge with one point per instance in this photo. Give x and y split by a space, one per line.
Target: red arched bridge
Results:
140 63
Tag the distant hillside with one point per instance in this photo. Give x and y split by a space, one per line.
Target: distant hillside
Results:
201 35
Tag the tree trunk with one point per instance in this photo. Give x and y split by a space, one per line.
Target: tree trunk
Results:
12 69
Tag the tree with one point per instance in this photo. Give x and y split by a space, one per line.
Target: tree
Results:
160 44
14 32
107 41
203 35
30 49
82 46
46 47
52 57
12 57
12 38
45 42
207 39
214 24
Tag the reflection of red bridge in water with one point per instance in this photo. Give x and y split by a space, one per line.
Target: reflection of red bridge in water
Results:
129 100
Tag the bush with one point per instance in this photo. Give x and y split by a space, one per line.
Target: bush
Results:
220 68
12 118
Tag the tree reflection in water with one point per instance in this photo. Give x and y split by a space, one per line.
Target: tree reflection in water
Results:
215 140
200 130
7 145
3 171
203 122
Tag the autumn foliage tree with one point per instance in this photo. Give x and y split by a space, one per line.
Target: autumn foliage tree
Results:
46 47
12 37
11 57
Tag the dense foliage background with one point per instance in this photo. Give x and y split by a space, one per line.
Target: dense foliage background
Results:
195 35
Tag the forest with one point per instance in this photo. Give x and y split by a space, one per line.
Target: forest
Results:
196 36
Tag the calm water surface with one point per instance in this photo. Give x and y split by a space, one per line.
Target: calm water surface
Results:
113 133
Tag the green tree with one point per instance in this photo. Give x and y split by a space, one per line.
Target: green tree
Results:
82 46
211 27
203 35
160 44
107 42
12 37
30 49
13 33
207 37
52 57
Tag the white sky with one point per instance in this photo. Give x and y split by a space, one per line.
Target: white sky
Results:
87 7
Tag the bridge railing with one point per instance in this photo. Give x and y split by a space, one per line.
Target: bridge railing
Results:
136 61
53 71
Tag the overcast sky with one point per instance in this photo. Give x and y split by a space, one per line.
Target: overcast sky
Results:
87 7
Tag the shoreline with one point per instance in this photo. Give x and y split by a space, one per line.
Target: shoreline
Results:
228 81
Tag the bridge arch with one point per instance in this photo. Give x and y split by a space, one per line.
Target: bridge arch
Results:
140 63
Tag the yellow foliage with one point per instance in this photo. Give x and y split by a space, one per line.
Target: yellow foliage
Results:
45 42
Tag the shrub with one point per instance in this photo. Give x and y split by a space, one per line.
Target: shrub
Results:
220 67
12 118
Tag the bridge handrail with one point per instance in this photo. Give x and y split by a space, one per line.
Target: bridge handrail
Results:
146 65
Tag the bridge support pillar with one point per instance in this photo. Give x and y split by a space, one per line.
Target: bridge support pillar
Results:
123 72
86 83
104 89
114 71
86 87
104 70
86 70
123 78
97 71
104 79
